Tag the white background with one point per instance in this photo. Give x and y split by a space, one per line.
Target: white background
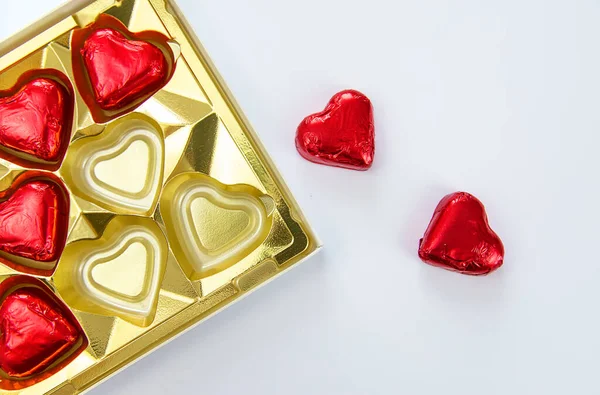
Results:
498 98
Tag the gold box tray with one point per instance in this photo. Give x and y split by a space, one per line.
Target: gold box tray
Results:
176 211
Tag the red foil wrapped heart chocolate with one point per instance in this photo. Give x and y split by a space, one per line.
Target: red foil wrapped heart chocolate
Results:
459 237
38 333
36 119
116 70
34 217
342 135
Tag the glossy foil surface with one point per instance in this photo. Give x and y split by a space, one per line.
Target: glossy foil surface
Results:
38 334
343 135
36 120
34 333
122 70
33 220
459 237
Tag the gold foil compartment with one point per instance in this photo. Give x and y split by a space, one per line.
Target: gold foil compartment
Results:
212 226
125 179
119 274
120 169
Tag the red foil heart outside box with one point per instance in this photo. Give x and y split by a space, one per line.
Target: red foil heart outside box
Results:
135 201
342 135
460 239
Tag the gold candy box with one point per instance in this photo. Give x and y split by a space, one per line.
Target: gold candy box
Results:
139 202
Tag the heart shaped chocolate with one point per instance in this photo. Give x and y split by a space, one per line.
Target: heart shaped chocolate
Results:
120 169
460 239
342 135
34 214
36 117
116 70
212 226
119 274
39 335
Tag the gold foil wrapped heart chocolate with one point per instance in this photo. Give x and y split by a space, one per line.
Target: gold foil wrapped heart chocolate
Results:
121 169
211 225
118 274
